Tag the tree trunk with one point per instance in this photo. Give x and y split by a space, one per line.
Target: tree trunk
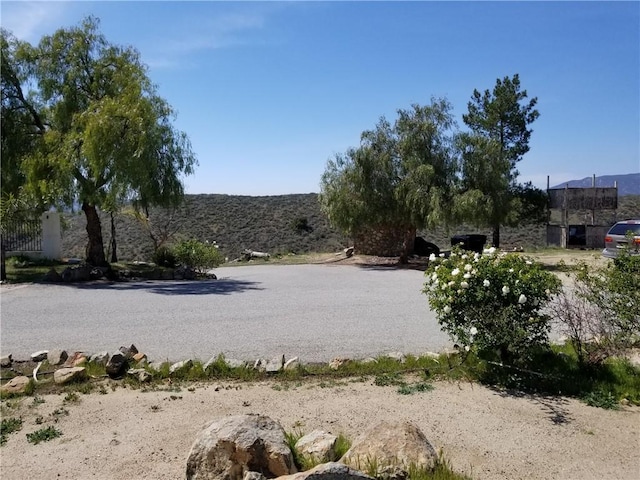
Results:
408 244
95 247
3 264
114 255
496 236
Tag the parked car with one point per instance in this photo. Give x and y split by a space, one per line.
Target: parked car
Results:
616 238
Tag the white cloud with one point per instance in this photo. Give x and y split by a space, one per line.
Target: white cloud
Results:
30 20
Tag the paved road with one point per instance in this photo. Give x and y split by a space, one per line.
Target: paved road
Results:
316 312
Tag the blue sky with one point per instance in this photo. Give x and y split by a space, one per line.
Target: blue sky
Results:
268 92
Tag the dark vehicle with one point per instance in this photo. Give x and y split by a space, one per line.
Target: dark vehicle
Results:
471 242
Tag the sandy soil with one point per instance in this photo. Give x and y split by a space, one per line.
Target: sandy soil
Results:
131 434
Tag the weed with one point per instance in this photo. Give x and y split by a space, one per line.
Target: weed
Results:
39 420
388 379
60 412
8 426
71 397
155 408
409 389
36 401
601 399
343 444
102 390
43 435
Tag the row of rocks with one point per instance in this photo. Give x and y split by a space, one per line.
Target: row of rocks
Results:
85 273
254 447
128 361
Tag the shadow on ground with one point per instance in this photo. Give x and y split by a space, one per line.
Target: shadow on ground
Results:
554 407
173 287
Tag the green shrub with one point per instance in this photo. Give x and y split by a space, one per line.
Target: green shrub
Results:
43 435
198 255
492 302
164 257
602 316
7 426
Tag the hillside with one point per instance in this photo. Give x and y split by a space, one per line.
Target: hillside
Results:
270 224
628 184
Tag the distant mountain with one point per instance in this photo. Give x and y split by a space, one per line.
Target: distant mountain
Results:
628 184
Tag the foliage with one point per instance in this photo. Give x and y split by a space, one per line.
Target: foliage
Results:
400 175
602 316
106 136
491 301
499 137
197 255
601 399
43 435
164 257
8 426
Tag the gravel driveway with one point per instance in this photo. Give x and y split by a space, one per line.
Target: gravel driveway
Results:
315 312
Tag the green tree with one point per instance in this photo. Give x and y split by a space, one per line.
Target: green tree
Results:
498 139
108 137
399 178
22 129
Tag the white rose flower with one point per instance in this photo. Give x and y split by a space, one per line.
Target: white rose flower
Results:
511 270
451 283
464 285
492 250
464 256
467 275
432 257
441 255
468 267
522 298
529 262
455 272
467 348
473 330
486 283
505 290
447 309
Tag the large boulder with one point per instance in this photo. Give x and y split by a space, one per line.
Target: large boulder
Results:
391 444
116 365
77 273
232 446
328 471
57 356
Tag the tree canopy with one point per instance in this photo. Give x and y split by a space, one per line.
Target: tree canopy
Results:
499 137
400 176
106 136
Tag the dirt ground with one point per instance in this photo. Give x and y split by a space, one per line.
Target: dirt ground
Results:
131 434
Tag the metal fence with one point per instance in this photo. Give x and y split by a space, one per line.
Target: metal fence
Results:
23 237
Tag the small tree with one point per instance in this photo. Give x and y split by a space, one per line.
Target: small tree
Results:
498 139
399 178
198 255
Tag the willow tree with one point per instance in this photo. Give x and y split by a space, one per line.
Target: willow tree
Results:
498 139
398 179
107 136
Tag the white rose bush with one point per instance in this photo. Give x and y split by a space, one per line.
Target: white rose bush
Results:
492 302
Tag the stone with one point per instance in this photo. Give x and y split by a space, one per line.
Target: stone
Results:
139 357
349 252
260 365
398 356
39 356
396 444
76 273
129 352
156 366
52 276
184 273
274 365
57 356
180 367
232 446
291 364
336 363
328 471
318 445
254 476
99 358
76 360
68 375
6 361
15 385
140 374
116 365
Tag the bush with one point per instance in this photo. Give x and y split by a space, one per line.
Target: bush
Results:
198 255
602 316
164 257
492 302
